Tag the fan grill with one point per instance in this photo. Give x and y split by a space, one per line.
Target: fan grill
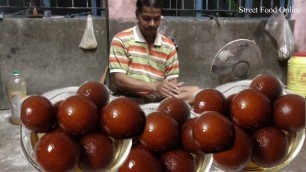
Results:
239 59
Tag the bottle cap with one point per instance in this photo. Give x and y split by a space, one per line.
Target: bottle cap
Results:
16 72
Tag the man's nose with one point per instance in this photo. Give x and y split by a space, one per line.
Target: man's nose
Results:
152 22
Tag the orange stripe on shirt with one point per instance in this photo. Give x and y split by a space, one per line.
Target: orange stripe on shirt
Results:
147 68
167 40
173 67
124 34
159 54
118 60
137 48
172 54
117 44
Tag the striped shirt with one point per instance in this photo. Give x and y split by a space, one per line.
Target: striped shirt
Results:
130 54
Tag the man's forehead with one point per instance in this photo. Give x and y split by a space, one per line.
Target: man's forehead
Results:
148 10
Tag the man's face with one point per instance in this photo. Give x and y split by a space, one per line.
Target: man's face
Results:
149 21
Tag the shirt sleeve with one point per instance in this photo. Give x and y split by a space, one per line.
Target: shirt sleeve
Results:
118 59
172 65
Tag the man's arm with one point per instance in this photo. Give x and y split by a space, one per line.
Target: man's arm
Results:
164 88
127 83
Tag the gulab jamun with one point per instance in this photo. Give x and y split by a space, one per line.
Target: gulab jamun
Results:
289 112
57 151
122 118
178 160
268 85
97 152
251 109
213 132
176 108
238 157
141 159
95 91
161 132
37 113
210 100
187 138
270 146
77 115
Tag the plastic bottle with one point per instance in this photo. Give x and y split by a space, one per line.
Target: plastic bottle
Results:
296 79
16 88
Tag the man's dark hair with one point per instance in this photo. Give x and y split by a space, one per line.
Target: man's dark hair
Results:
148 3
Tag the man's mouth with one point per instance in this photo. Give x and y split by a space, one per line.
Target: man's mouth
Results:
151 29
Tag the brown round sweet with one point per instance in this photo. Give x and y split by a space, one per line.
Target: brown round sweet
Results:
95 91
97 152
77 115
210 100
270 146
289 112
122 118
251 109
187 138
140 159
37 113
176 108
57 151
213 132
178 160
268 85
236 158
230 98
161 132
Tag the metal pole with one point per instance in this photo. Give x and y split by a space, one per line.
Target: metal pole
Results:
176 5
218 4
94 5
282 3
248 4
199 6
103 5
290 4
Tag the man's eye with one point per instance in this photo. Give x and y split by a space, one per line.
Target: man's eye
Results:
156 19
146 18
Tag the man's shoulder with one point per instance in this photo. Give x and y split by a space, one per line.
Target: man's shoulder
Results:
125 33
167 41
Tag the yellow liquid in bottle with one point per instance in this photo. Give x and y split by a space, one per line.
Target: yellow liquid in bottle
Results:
16 98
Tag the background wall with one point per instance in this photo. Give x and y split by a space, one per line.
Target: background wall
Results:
46 51
122 9
300 31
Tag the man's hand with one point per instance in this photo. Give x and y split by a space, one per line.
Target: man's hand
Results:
168 88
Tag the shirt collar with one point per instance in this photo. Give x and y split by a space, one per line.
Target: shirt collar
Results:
139 37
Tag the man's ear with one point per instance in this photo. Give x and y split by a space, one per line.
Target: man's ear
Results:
137 13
